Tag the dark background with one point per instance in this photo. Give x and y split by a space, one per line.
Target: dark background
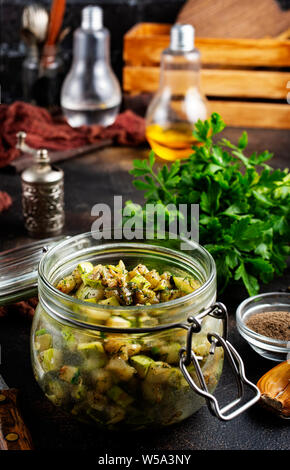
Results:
119 17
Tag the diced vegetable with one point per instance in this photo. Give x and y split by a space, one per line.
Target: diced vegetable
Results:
145 320
119 268
94 354
86 292
98 315
57 392
116 414
102 379
112 301
153 277
70 282
119 396
158 372
153 393
140 281
118 322
69 374
67 284
97 400
119 347
169 352
120 369
51 359
162 285
141 364
85 267
90 280
79 391
40 332
43 342
69 338
186 284
94 347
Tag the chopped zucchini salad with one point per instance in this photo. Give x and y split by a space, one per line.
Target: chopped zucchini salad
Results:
116 379
115 285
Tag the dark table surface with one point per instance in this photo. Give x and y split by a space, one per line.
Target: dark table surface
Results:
92 179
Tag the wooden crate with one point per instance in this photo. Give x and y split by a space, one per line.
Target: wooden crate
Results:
246 80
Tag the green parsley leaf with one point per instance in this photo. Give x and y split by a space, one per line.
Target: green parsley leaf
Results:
244 203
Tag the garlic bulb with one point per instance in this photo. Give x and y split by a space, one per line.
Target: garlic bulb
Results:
275 389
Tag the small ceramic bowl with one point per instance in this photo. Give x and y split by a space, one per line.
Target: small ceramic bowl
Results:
274 349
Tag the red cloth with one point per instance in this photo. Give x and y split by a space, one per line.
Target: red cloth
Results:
54 133
5 201
25 308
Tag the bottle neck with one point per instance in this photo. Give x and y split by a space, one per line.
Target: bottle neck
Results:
180 71
92 45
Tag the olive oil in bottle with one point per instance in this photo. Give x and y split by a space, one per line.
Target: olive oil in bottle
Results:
171 142
178 103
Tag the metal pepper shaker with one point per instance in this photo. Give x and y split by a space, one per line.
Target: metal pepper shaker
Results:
43 197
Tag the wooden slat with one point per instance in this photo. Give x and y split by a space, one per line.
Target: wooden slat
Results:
235 113
149 29
144 43
226 83
243 114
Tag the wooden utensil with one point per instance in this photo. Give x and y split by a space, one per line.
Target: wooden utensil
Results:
55 21
14 434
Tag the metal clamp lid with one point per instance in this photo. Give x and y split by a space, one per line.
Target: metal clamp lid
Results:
187 357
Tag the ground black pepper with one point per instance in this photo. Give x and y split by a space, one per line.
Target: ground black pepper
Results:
275 325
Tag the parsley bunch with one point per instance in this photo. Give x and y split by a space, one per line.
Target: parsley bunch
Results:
244 203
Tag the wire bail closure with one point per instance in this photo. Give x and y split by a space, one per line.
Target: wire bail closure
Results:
187 356
217 310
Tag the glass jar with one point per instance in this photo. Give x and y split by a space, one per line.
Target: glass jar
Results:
90 369
42 76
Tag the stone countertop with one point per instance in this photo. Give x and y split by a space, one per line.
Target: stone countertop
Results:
94 179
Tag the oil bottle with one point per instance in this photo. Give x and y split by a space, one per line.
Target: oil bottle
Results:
178 103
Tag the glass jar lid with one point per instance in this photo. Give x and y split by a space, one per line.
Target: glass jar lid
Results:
19 269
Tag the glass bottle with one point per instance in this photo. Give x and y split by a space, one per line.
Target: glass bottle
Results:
30 67
42 76
91 93
178 103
